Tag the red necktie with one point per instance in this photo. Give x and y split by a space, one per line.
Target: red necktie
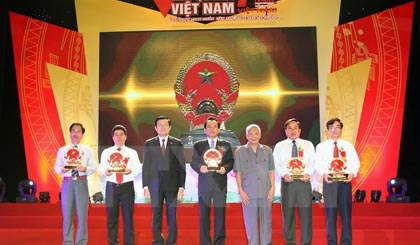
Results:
335 150
119 176
163 147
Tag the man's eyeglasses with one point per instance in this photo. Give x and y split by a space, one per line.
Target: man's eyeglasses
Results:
334 127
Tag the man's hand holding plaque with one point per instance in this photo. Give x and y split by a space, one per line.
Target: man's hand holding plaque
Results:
296 168
337 170
212 158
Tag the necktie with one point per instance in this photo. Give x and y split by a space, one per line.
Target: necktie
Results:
335 150
74 172
163 147
294 149
212 146
119 176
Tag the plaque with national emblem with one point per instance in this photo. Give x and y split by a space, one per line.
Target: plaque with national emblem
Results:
295 167
212 158
73 158
337 170
117 162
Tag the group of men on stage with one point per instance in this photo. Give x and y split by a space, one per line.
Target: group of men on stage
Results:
255 164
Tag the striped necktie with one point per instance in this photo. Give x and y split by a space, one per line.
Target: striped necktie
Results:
74 172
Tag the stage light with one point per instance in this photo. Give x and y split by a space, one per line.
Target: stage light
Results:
44 197
97 198
27 191
397 188
316 197
360 195
2 189
375 195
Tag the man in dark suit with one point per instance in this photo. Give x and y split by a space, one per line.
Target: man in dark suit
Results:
164 178
212 184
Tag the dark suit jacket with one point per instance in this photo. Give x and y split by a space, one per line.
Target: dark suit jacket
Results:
212 180
164 173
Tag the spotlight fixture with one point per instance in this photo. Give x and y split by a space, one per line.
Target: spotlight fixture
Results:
360 195
97 198
375 195
27 191
397 188
44 197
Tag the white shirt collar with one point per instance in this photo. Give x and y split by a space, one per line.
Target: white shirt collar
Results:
165 138
210 140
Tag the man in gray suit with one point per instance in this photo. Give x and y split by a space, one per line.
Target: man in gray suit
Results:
254 166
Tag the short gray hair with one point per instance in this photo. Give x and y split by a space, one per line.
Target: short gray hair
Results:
249 127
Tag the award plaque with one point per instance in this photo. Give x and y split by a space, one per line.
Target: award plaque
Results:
73 158
117 162
337 168
296 168
212 158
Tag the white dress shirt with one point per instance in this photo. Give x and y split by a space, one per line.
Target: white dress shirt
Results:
324 154
87 159
133 163
283 152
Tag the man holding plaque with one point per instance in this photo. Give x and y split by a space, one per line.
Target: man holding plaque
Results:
75 162
294 159
337 161
254 167
163 178
212 159
119 164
